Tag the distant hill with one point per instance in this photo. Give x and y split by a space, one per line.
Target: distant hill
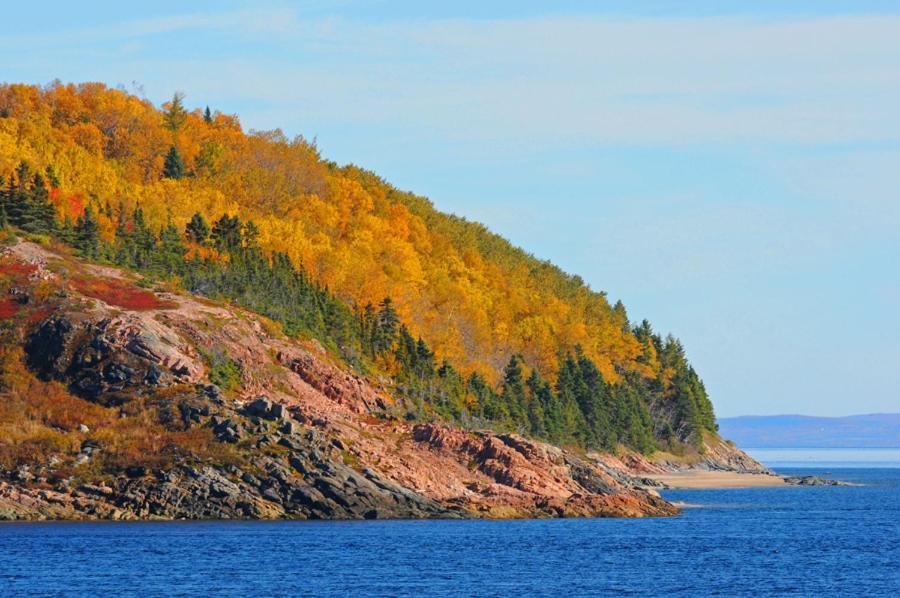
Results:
877 430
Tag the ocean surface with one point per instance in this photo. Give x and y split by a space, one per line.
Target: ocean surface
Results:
818 541
865 458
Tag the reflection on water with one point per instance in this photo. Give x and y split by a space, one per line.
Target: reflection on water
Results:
826 457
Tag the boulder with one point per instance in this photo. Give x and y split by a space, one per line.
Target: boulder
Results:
261 407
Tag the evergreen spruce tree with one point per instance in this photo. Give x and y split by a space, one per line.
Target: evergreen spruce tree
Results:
490 406
207 116
41 212
87 234
513 394
386 327
173 168
169 256
197 230
67 230
226 233
140 245
17 202
424 360
250 237
52 179
123 237
175 114
545 413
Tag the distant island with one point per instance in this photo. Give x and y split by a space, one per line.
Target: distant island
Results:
876 430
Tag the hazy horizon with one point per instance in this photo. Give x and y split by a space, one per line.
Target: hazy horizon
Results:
727 172
891 413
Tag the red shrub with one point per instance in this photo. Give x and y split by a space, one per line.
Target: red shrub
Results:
8 308
18 272
118 293
40 314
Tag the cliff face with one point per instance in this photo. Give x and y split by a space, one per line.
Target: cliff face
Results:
122 402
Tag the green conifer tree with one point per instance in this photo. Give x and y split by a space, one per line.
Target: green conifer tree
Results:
197 230
169 256
17 202
173 168
4 192
41 217
175 114
386 328
513 394
226 233
87 234
250 236
52 179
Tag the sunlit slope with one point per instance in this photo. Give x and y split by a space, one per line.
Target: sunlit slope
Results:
474 297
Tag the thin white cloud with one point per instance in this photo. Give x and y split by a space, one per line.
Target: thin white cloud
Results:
562 80
241 23
582 80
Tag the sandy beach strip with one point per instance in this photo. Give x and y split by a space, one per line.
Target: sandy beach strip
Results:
716 479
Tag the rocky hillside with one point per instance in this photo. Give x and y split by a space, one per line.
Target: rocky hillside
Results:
120 401
465 326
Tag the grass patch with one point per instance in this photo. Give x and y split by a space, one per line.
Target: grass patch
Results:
224 372
351 460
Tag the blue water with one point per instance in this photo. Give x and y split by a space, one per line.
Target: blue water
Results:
780 458
802 541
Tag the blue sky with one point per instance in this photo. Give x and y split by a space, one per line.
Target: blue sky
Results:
730 170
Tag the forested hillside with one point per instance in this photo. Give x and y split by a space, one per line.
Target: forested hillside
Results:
461 324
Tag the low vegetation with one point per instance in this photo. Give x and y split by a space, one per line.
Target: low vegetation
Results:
42 422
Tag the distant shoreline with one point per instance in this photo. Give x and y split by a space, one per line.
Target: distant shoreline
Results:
699 479
696 479
873 430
